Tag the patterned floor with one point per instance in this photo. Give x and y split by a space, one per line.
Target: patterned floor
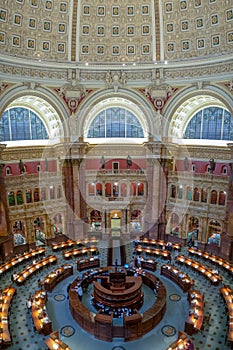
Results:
24 336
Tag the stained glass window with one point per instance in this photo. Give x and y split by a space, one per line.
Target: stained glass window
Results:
21 123
115 122
212 123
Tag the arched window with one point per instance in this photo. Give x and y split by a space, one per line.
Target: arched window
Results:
99 189
189 194
173 191
224 170
180 192
194 167
196 194
108 190
52 192
213 197
28 196
140 189
43 194
19 198
36 195
8 170
212 123
204 195
222 198
123 188
133 187
115 122
38 168
20 123
11 199
59 193
91 189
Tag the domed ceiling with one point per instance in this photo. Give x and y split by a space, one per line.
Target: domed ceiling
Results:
113 31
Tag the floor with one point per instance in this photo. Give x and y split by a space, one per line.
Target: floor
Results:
24 336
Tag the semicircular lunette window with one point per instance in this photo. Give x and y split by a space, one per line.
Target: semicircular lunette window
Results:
21 123
115 122
212 123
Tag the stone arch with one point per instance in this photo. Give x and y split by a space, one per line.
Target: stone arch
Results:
187 102
123 98
44 103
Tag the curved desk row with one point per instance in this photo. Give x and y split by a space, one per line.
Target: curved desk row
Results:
204 270
102 325
80 252
158 243
152 251
56 276
212 258
70 243
26 273
148 264
83 264
180 343
177 276
5 301
227 294
196 312
21 258
39 314
54 342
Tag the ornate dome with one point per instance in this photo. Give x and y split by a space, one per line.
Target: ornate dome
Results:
116 31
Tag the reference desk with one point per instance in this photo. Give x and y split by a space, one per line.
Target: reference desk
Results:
177 276
56 276
227 294
54 342
26 273
5 301
100 324
39 314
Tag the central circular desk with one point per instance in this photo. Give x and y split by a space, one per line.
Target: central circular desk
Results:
113 294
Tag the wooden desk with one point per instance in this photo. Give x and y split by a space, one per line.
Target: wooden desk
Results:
26 273
152 251
196 312
177 276
39 314
80 252
56 276
213 258
5 301
84 264
227 294
148 264
159 243
214 278
95 325
54 342
180 343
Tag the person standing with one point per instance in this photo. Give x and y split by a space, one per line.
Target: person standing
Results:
80 292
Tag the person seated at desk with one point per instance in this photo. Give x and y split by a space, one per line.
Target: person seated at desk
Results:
190 345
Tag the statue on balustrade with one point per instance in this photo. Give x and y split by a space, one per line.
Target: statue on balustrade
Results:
21 167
